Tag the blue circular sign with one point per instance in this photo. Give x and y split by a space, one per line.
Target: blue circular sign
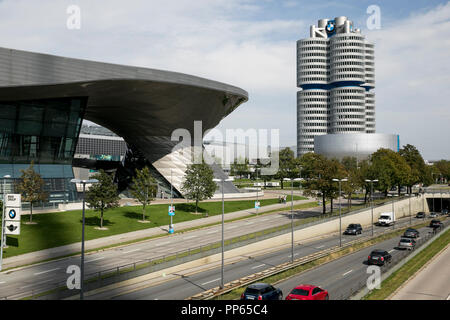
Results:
12 214
330 27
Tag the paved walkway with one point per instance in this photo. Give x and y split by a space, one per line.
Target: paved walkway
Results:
37 256
430 283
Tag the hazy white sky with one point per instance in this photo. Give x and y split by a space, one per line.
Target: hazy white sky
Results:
251 44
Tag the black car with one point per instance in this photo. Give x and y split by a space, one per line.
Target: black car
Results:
444 211
262 291
411 233
435 224
353 228
420 215
379 257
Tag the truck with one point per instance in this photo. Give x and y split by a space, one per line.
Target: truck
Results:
386 219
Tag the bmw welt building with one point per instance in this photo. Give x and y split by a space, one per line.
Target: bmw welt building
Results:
45 98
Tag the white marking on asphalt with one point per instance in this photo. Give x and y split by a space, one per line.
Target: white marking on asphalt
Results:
261 265
391 250
295 254
249 223
134 250
347 273
319 247
190 237
214 231
210 281
232 227
162 243
38 273
448 298
92 260
265 219
2 282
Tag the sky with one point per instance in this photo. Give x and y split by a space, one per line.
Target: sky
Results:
251 44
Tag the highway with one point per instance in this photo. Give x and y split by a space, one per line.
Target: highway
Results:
46 275
186 285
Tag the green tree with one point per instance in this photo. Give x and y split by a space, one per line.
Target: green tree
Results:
103 195
419 172
441 168
239 167
198 183
353 174
144 188
288 165
319 173
31 187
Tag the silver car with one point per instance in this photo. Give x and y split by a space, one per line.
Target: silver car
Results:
406 243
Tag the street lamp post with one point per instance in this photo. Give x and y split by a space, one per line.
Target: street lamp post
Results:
371 197
257 187
84 182
340 220
223 241
292 215
3 235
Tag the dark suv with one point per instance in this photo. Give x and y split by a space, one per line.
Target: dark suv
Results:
420 215
435 224
411 233
354 228
262 291
379 257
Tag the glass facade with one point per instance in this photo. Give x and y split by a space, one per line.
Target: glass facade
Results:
44 131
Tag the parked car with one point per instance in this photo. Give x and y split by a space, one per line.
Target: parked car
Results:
262 291
406 243
444 211
420 215
411 233
307 292
435 224
379 257
353 228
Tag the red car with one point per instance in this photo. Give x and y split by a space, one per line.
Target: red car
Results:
307 292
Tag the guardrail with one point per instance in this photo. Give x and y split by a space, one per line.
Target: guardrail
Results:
58 290
217 291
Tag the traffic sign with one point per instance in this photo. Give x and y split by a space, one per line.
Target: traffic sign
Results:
257 205
12 227
171 210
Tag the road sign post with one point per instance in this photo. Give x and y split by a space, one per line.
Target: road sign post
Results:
10 219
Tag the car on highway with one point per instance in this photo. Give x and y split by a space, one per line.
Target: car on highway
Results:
420 215
435 223
444 211
353 228
406 243
262 291
307 292
379 257
411 233
433 214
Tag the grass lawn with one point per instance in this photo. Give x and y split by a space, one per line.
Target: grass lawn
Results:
62 228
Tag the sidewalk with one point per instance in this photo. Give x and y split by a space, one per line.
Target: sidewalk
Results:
52 253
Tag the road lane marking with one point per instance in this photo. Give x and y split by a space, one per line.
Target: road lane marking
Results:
261 265
391 250
190 237
162 243
210 281
347 273
2 282
100 258
249 223
130 251
265 219
320 247
214 231
38 273
295 254
232 227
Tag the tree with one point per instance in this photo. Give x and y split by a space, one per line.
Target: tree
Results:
319 173
144 188
353 174
413 158
103 195
31 187
239 167
441 168
198 183
288 165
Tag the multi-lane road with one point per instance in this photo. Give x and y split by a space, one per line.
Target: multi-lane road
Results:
336 276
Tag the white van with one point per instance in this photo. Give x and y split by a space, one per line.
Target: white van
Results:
386 219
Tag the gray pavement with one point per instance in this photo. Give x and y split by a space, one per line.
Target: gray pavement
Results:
432 282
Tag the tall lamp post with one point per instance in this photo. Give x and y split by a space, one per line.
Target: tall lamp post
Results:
340 220
292 215
371 197
223 241
257 188
83 182
3 235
